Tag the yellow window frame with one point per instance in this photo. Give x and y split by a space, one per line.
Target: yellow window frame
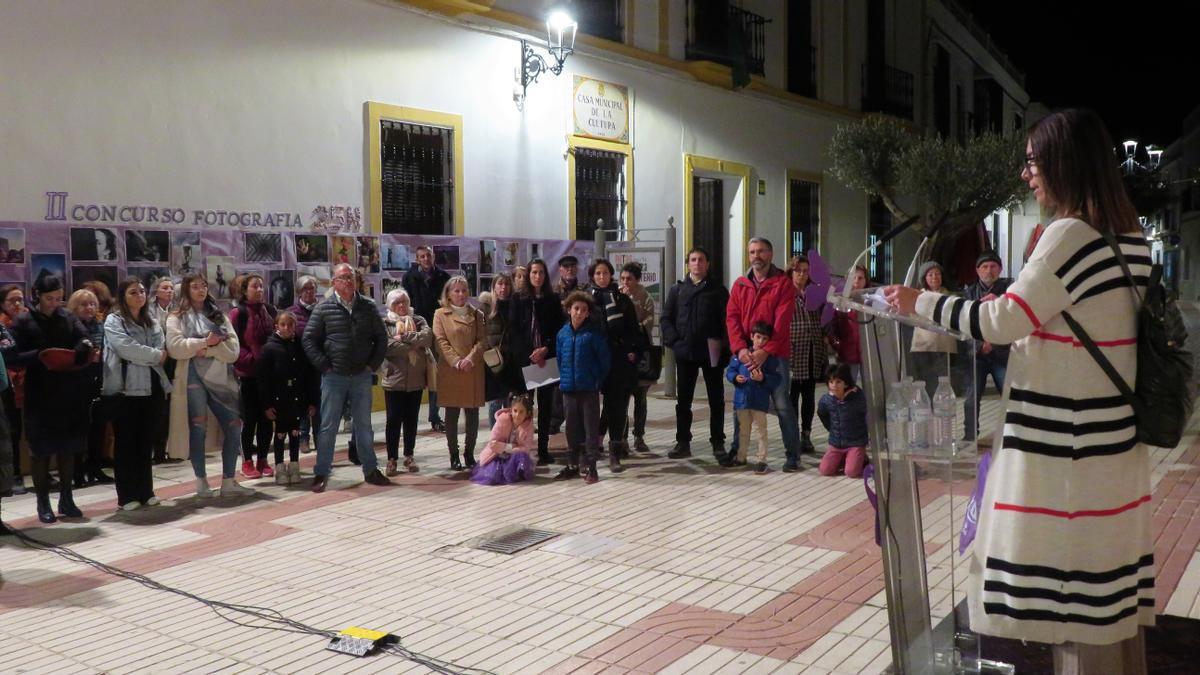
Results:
377 113
608 146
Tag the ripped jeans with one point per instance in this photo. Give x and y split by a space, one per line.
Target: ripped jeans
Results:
200 399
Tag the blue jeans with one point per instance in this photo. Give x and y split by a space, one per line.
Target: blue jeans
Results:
336 390
494 407
984 366
200 399
789 426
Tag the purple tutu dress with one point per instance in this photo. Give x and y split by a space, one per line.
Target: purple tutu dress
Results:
501 463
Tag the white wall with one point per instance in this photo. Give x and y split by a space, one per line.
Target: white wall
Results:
260 106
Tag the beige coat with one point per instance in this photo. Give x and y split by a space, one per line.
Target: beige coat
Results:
182 350
458 338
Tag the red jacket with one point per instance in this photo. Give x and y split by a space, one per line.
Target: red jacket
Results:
772 301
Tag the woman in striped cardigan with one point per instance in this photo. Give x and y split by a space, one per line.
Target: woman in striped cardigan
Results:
1064 552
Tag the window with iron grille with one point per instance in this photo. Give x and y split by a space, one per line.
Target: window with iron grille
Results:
417 176
879 263
804 216
599 191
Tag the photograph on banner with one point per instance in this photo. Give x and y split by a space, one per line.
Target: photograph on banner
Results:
12 246
485 284
81 274
512 253
264 247
651 260
312 248
535 250
487 256
396 257
369 289
93 244
48 264
389 284
343 250
219 271
281 288
148 274
185 253
446 257
152 246
322 273
471 272
368 255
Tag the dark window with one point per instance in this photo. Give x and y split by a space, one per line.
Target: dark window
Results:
602 18
941 92
599 191
710 222
417 163
720 32
879 263
802 53
804 200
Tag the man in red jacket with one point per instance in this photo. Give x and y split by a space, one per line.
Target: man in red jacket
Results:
765 294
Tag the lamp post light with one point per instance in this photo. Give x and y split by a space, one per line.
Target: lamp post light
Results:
560 43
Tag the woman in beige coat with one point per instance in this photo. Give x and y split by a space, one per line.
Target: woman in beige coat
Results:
933 355
204 346
460 333
404 376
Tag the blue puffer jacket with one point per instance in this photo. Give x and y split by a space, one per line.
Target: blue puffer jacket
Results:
583 358
846 419
753 395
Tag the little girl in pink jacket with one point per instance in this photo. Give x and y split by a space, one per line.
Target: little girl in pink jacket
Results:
506 459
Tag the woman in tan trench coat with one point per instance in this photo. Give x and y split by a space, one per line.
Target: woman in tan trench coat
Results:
460 334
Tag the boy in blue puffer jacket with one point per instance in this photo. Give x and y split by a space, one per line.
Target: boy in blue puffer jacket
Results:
583 361
752 397
843 411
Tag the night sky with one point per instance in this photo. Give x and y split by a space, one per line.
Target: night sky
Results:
1137 64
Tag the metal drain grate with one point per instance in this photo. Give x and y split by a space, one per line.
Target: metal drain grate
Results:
509 540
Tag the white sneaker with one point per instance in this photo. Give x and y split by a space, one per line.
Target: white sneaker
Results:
130 506
230 488
152 501
281 476
293 472
202 489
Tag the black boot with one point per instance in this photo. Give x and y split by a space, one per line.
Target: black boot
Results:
98 476
806 445
614 458
469 456
455 465
66 505
45 513
718 448
680 451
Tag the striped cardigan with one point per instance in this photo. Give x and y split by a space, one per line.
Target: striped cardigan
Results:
1064 551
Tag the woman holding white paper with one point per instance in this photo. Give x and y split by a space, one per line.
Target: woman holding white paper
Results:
535 317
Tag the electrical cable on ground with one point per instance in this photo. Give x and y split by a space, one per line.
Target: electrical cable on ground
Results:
271 616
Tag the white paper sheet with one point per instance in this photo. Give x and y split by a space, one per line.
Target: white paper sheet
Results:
536 377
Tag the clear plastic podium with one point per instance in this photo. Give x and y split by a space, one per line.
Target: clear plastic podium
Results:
923 492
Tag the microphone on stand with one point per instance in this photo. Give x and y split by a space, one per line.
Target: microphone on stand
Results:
887 236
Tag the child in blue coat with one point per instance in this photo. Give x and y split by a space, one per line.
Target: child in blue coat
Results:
752 396
843 411
583 361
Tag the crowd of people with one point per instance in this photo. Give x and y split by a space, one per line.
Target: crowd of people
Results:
171 373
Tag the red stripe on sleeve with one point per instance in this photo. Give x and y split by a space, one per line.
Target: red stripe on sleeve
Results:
1025 306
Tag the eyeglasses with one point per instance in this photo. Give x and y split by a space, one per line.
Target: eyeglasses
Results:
1031 163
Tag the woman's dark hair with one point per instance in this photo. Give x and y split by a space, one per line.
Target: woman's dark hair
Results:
634 268
796 260
244 284
210 311
46 283
1073 153
9 288
596 262
527 289
142 318
841 371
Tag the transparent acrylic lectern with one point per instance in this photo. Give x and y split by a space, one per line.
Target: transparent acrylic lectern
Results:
923 492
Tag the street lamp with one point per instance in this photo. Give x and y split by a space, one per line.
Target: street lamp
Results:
1153 155
560 43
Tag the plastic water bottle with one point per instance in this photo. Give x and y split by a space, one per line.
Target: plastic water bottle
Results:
919 415
897 418
945 407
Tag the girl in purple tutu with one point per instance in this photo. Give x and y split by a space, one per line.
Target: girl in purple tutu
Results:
505 458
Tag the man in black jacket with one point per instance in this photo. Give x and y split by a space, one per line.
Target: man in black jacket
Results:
345 341
424 282
693 327
989 359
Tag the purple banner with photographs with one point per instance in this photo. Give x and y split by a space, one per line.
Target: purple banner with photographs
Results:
80 253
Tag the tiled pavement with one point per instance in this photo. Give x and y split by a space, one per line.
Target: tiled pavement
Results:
672 566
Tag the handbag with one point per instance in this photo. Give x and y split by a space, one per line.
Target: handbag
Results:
494 359
1161 398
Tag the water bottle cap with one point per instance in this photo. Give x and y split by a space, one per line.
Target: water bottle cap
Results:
943 378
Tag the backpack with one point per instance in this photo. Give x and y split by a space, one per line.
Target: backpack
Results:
1161 397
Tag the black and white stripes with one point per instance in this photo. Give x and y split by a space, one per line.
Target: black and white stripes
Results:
1043 593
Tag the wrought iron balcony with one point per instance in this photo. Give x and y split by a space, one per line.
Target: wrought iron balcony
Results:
727 35
890 91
